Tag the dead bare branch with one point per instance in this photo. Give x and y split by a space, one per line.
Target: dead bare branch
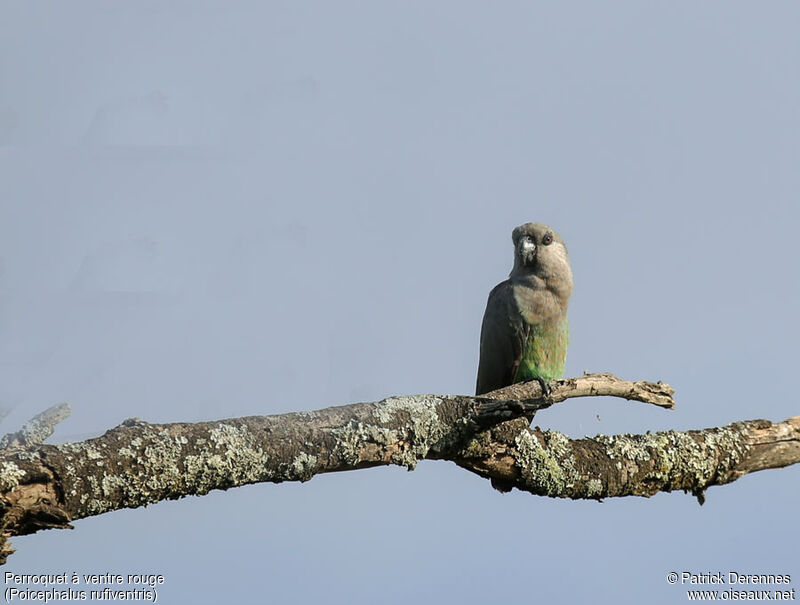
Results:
38 428
137 463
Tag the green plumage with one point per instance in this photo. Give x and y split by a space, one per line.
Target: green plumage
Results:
545 352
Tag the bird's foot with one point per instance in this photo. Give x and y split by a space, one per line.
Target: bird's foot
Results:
547 390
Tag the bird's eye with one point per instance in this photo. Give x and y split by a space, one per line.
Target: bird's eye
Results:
547 239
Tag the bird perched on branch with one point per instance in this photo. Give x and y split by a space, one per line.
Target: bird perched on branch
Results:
525 330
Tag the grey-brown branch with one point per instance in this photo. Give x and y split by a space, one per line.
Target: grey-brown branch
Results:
38 428
137 463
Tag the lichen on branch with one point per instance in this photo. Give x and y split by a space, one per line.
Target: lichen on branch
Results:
138 463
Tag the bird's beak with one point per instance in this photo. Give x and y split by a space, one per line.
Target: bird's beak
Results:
527 250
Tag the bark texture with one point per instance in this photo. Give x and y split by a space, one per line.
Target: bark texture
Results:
137 463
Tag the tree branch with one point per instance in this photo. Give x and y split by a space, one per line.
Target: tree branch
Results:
526 398
548 463
137 463
38 428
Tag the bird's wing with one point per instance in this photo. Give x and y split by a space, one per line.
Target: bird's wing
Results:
503 336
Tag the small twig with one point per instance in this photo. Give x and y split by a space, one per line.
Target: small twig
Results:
38 428
526 398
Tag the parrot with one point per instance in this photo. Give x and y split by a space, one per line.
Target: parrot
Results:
525 330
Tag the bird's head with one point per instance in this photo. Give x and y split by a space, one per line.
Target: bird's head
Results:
540 251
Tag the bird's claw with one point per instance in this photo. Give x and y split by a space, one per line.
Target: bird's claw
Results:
547 390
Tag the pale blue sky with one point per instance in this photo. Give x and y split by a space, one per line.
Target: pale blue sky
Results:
219 209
